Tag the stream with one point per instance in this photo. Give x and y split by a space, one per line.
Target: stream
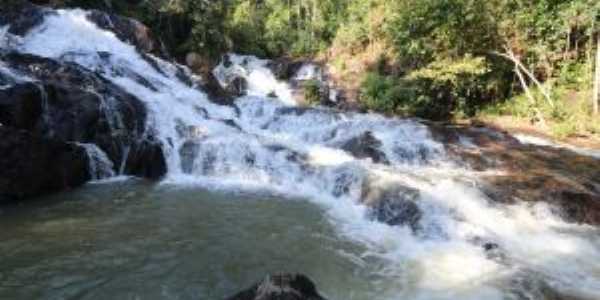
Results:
265 185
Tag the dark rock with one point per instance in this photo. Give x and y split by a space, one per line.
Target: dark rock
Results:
146 159
216 93
32 166
128 30
393 204
22 16
293 110
281 287
285 68
579 207
72 104
237 87
227 61
366 146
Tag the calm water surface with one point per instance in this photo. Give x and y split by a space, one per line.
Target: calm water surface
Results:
135 240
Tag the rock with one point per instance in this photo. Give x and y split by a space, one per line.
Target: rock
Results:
129 30
146 159
392 204
366 146
579 207
216 93
72 104
237 87
285 68
281 287
194 60
32 166
22 16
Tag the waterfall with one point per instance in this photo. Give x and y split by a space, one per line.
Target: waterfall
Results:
100 166
337 160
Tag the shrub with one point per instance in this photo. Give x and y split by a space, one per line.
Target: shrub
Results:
312 91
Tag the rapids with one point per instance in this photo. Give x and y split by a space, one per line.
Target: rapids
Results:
465 246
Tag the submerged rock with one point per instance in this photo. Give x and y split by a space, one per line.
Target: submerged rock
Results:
31 165
366 146
393 204
281 287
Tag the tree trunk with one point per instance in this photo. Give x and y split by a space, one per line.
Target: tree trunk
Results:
538 113
597 80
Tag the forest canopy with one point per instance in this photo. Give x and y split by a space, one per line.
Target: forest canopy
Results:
433 58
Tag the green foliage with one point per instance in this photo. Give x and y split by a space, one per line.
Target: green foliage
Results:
312 91
377 93
443 55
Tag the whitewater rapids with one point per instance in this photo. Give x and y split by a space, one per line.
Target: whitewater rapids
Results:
269 143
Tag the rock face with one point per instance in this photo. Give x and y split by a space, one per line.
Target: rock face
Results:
281 287
22 16
563 178
285 68
32 165
129 30
71 104
49 107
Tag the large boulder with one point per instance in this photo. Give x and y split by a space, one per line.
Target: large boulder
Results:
129 30
32 166
392 203
567 180
281 287
285 68
22 16
71 104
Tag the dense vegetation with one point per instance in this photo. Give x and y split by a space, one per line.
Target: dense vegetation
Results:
432 58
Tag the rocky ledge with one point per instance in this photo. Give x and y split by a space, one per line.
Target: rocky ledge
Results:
50 110
531 173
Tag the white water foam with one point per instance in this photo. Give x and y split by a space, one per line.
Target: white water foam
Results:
261 81
264 143
100 166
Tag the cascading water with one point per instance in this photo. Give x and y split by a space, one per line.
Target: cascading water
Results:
100 165
267 143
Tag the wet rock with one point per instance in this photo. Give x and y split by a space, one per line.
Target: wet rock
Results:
22 16
366 146
393 204
32 166
237 87
281 287
216 93
285 68
71 104
579 207
294 110
146 159
129 30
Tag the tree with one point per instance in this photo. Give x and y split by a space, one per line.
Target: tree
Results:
596 80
